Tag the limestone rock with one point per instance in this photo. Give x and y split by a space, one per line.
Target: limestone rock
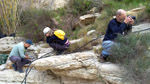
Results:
7 43
82 65
91 32
136 11
141 27
46 4
73 65
86 20
35 77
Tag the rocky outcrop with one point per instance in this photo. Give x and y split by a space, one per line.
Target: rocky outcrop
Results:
82 65
77 68
46 4
145 27
72 65
7 43
136 12
40 77
35 77
86 20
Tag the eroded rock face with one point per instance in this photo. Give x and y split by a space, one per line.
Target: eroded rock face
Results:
74 64
46 4
7 43
145 27
86 20
137 11
82 65
35 77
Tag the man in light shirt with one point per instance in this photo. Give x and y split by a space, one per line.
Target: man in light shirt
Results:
18 55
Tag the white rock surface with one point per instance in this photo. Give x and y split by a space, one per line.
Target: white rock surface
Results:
35 77
91 32
136 11
141 27
47 4
82 65
7 43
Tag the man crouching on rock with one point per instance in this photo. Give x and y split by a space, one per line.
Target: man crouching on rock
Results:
122 24
56 39
18 56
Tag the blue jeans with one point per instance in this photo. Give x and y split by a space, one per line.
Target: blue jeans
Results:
106 45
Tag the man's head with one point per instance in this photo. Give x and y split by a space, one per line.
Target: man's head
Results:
47 31
120 15
28 43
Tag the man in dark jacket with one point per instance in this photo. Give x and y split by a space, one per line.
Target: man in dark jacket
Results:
119 25
56 39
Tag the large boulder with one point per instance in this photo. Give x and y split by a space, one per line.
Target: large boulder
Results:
83 65
40 77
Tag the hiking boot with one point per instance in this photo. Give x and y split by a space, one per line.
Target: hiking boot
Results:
59 52
20 70
14 67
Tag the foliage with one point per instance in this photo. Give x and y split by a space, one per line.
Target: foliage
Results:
9 18
80 7
130 51
33 21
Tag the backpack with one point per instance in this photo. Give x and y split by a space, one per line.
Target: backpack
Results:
3 58
60 34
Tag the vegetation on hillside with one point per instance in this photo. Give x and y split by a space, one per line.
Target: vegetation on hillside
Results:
132 52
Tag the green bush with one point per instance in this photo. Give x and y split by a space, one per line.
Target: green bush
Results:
33 21
130 47
80 7
131 52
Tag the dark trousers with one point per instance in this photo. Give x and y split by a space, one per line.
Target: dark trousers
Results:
58 47
19 62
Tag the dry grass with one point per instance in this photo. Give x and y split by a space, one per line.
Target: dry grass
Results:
81 46
75 46
9 16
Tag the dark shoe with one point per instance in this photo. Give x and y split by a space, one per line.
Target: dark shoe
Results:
103 58
59 52
14 67
20 70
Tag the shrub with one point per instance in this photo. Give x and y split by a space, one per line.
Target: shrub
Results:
82 6
33 21
130 52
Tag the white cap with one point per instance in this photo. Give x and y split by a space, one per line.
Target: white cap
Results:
46 30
